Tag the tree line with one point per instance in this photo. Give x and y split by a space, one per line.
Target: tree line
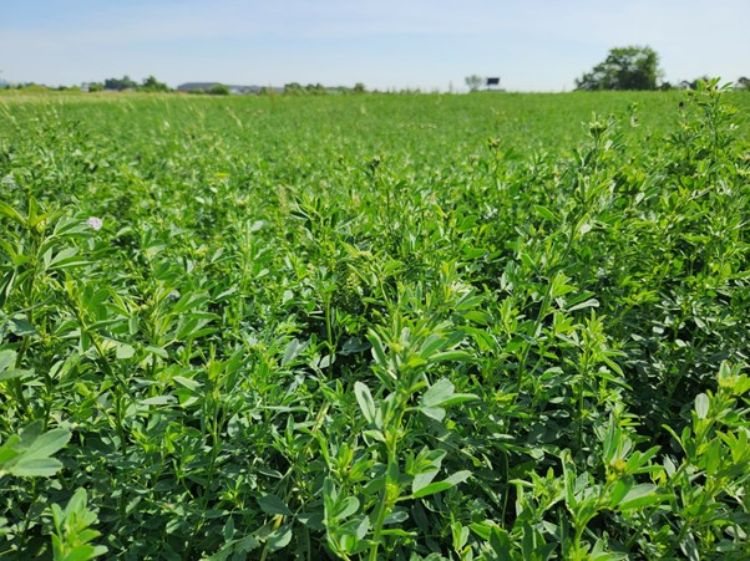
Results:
151 84
624 68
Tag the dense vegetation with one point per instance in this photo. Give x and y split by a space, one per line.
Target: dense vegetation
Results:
496 326
625 68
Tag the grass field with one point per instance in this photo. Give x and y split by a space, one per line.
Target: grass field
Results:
476 327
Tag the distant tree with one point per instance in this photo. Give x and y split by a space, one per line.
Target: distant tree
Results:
128 84
474 82
743 83
32 87
95 87
120 84
151 84
359 87
218 89
316 89
666 86
293 88
625 68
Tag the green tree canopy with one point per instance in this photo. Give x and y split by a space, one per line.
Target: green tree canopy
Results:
293 88
219 89
151 84
625 68
474 82
119 84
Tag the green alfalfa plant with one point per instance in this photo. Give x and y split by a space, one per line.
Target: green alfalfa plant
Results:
43 245
73 532
554 510
401 356
713 473
588 180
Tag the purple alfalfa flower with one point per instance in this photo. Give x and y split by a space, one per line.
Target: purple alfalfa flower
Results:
95 222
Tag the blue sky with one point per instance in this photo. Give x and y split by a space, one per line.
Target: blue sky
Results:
532 44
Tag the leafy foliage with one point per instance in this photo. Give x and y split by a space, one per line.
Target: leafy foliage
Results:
218 89
625 68
29 454
120 84
375 327
70 541
474 82
151 84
